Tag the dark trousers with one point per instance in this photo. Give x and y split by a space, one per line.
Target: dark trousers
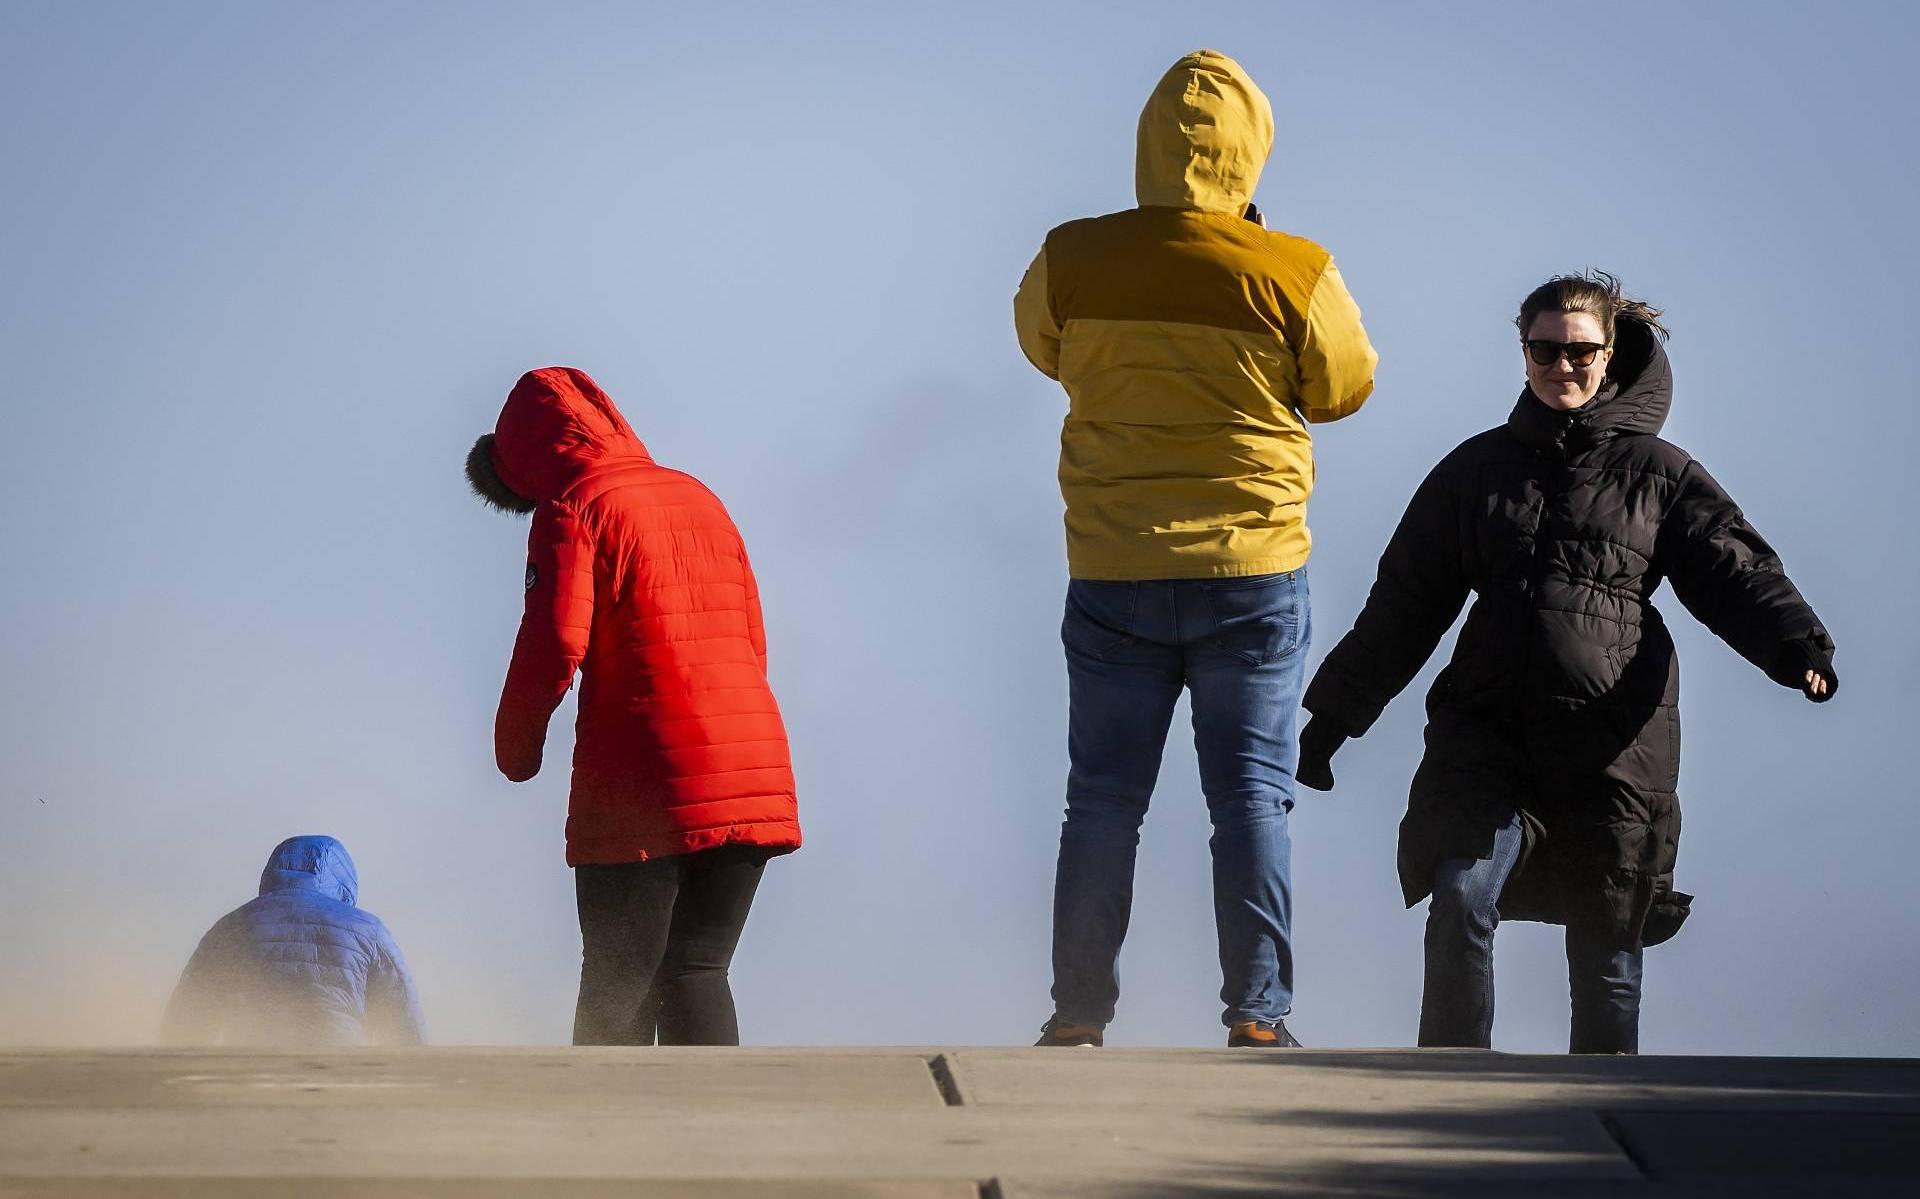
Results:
656 938
1456 1007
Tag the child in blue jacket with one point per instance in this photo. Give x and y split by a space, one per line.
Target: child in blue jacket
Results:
299 966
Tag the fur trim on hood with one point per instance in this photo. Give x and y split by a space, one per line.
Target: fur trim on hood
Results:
485 480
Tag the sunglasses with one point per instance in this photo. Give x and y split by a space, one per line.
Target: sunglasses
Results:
1577 353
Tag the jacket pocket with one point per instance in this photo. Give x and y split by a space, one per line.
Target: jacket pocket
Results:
1664 918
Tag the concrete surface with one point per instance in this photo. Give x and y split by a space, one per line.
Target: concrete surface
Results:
947 1124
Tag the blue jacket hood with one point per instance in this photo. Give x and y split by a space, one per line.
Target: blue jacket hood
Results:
319 864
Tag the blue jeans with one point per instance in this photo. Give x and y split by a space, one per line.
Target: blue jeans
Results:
1456 1007
1240 646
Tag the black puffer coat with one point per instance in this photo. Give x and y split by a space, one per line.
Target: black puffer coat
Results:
1561 700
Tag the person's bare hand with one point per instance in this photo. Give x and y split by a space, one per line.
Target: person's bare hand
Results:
1808 668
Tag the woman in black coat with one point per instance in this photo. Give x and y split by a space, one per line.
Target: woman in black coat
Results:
1553 736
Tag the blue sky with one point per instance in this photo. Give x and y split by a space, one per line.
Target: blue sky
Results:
272 267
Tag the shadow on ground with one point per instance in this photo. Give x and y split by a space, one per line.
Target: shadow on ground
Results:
1842 1128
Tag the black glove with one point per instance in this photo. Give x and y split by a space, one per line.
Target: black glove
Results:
1796 659
1318 742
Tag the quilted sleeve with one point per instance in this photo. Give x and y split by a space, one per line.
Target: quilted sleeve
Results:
193 1012
1033 319
1729 577
1336 359
1420 588
552 640
393 1005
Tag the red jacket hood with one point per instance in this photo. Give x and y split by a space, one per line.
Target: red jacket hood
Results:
556 425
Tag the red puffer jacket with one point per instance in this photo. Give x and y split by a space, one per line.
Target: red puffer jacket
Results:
636 577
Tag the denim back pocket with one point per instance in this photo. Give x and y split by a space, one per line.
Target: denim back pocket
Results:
1099 616
1257 618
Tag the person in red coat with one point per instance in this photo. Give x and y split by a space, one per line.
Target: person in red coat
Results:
682 783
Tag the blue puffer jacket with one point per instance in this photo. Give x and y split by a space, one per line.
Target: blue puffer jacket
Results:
299 966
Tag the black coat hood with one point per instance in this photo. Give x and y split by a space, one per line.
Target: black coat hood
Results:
1636 398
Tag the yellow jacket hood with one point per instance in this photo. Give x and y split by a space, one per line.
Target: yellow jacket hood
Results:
1204 137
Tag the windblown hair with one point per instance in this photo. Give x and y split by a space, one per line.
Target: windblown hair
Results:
1596 293
486 482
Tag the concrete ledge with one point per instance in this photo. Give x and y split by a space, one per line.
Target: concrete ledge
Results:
938 1122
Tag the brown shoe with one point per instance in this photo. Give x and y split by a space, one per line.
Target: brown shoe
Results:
1258 1034
1057 1032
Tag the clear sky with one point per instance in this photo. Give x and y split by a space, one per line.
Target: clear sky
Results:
270 268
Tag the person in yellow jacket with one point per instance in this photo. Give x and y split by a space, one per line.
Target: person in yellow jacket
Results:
1195 348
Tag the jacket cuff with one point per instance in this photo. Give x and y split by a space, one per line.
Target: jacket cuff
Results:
1332 702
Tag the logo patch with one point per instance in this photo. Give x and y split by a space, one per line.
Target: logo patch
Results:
533 576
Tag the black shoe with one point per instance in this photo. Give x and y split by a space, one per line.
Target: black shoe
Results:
1258 1034
1057 1032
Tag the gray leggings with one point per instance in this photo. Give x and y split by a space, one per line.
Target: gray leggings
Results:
656 940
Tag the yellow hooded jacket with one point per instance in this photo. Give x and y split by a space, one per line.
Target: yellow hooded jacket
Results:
1195 347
